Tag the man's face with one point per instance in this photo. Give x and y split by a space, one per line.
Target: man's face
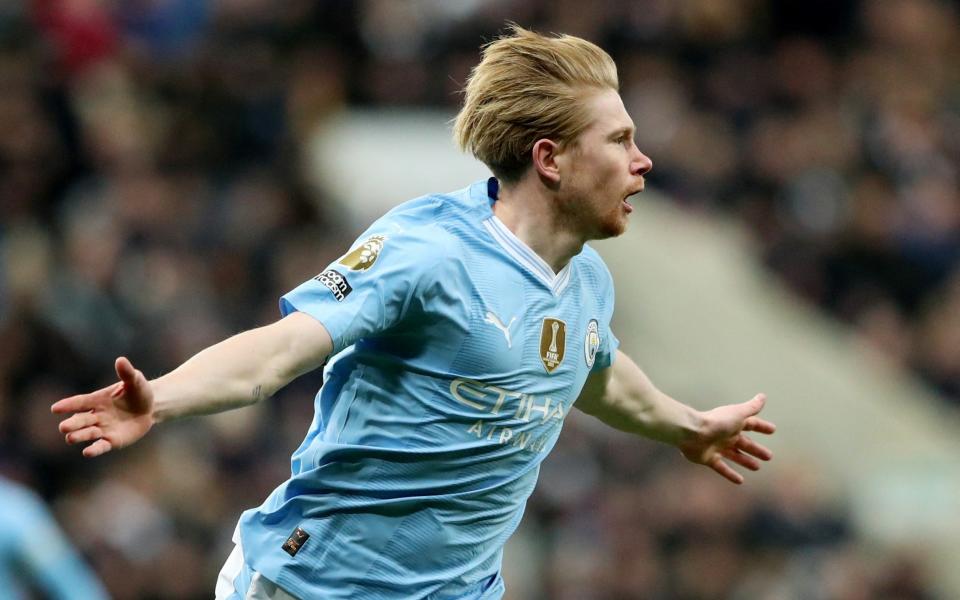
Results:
600 169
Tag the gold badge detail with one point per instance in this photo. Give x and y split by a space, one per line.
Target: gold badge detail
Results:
553 340
363 256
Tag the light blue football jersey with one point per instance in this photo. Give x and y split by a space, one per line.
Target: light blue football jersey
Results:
458 353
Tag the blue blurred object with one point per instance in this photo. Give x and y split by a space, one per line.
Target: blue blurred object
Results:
34 554
169 29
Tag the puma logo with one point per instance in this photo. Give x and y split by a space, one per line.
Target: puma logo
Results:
505 329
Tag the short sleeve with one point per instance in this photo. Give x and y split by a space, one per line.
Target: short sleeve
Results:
371 287
607 350
609 343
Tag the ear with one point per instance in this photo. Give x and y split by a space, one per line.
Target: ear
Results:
545 153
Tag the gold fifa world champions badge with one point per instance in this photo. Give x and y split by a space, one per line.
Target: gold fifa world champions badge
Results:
553 340
363 256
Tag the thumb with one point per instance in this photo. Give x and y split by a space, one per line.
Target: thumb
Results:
126 372
754 405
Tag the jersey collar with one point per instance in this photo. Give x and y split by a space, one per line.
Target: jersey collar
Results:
519 251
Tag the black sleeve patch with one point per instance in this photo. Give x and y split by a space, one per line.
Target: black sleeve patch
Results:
336 283
296 541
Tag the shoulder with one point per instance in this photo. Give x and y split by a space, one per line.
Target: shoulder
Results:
432 236
398 247
433 224
432 243
448 208
594 276
594 266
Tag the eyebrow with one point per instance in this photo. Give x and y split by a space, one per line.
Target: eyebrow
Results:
630 131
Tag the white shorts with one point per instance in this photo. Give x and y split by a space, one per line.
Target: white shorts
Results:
237 581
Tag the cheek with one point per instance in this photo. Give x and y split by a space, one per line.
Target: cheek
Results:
598 174
612 166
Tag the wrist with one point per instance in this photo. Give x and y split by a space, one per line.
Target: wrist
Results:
690 426
159 409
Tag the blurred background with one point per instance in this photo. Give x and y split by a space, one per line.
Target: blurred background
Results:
169 168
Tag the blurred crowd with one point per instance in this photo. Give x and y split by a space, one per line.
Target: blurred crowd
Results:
153 200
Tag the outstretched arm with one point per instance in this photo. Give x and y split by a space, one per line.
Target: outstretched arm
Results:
238 371
624 397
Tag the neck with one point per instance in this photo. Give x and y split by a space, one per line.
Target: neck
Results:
530 211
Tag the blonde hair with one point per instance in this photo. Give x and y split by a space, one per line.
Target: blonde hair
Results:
529 87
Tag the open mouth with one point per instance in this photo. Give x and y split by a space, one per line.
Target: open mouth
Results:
627 206
626 201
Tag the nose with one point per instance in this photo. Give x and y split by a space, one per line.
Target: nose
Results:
641 163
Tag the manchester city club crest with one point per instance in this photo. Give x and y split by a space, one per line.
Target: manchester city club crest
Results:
591 342
553 341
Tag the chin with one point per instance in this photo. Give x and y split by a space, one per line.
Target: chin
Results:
611 228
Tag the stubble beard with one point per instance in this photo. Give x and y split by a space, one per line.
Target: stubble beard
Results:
580 214
613 226
616 227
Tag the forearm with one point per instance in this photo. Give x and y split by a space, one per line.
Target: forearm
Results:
228 375
627 400
624 397
239 371
652 414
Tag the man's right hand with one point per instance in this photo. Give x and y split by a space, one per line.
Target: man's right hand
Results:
113 417
239 371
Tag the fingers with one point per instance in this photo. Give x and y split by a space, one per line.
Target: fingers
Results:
86 434
85 425
744 453
741 459
77 422
726 470
752 422
85 402
97 448
749 446
759 425
79 403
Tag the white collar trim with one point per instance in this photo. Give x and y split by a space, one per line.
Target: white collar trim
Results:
527 257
